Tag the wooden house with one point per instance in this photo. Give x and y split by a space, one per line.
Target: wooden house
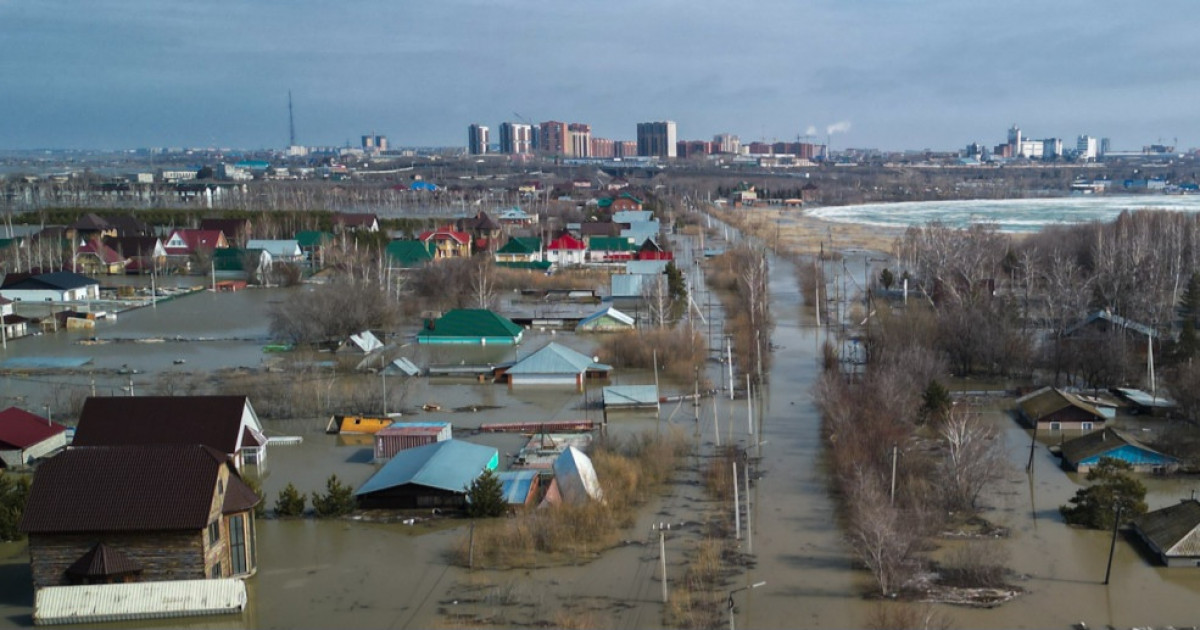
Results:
1084 452
432 476
143 253
1172 533
446 242
93 256
227 424
1051 409
483 229
27 437
139 513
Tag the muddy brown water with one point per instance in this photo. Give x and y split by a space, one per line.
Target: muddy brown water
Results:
348 573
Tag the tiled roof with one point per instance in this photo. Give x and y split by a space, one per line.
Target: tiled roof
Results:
102 561
214 421
20 429
124 488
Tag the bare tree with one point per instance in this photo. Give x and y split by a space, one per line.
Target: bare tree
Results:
883 536
974 458
483 283
657 298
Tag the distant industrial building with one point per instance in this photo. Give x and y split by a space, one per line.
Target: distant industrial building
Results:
477 139
656 139
516 138
1087 148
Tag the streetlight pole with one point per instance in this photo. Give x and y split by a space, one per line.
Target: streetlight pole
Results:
738 590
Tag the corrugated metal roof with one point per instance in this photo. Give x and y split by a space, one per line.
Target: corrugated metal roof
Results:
1048 400
95 603
414 428
610 313
283 248
646 267
21 429
632 216
1173 529
626 285
1100 442
404 366
517 485
631 396
471 322
556 359
449 465
576 477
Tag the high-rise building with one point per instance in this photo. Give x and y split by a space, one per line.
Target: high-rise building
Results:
1014 139
726 143
374 144
516 138
1087 147
624 149
603 148
477 139
656 139
581 139
554 138
1052 148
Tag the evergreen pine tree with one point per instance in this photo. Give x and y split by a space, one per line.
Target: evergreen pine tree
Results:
485 496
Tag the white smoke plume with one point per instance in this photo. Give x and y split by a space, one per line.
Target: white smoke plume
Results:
811 131
838 127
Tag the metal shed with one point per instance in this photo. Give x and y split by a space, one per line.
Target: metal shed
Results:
96 603
405 435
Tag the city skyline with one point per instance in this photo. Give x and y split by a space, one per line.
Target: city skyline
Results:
933 74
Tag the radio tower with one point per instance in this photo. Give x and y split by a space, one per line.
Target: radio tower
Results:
291 123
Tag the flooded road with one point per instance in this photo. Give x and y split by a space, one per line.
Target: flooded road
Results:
346 573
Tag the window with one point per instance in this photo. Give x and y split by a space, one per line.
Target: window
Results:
237 544
215 573
214 533
1087 426
1055 426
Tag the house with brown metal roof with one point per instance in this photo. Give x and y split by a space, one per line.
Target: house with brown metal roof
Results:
1052 409
226 424
25 437
156 512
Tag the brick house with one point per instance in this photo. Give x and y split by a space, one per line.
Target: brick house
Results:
99 515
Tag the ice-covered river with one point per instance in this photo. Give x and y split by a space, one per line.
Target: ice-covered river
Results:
1011 215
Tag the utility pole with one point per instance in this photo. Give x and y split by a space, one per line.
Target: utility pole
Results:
749 411
662 558
737 507
1112 545
749 526
895 453
716 422
738 590
729 358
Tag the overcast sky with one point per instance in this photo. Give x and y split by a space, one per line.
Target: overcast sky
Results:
896 75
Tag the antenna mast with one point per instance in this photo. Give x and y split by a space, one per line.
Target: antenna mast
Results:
291 123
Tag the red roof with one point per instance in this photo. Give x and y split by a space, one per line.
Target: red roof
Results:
566 241
210 239
105 253
20 429
442 234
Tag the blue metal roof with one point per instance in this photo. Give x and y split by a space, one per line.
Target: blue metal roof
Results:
631 396
556 359
516 484
626 285
450 465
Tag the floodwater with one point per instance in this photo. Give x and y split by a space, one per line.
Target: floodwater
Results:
1010 215
346 573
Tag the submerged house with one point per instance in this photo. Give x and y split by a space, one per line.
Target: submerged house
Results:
519 487
1086 451
555 364
25 437
1172 533
434 475
607 320
226 424
1052 409
470 326
150 512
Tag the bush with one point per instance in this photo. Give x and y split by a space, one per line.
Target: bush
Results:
485 496
338 499
290 502
14 491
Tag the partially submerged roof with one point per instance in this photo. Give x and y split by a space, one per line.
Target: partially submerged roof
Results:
125 488
448 465
517 484
1116 320
576 478
92 603
402 365
610 313
60 280
214 421
555 358
280 248
631 396
1048 400
471 322
20 429
1101 442
1173 529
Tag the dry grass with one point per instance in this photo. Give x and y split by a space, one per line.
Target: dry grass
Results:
795 233
718 476
515 279
629 473
678 350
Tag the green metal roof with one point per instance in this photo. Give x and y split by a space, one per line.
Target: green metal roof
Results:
471 323
537 265
408 253
521 245
610 244
233 258
312 238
